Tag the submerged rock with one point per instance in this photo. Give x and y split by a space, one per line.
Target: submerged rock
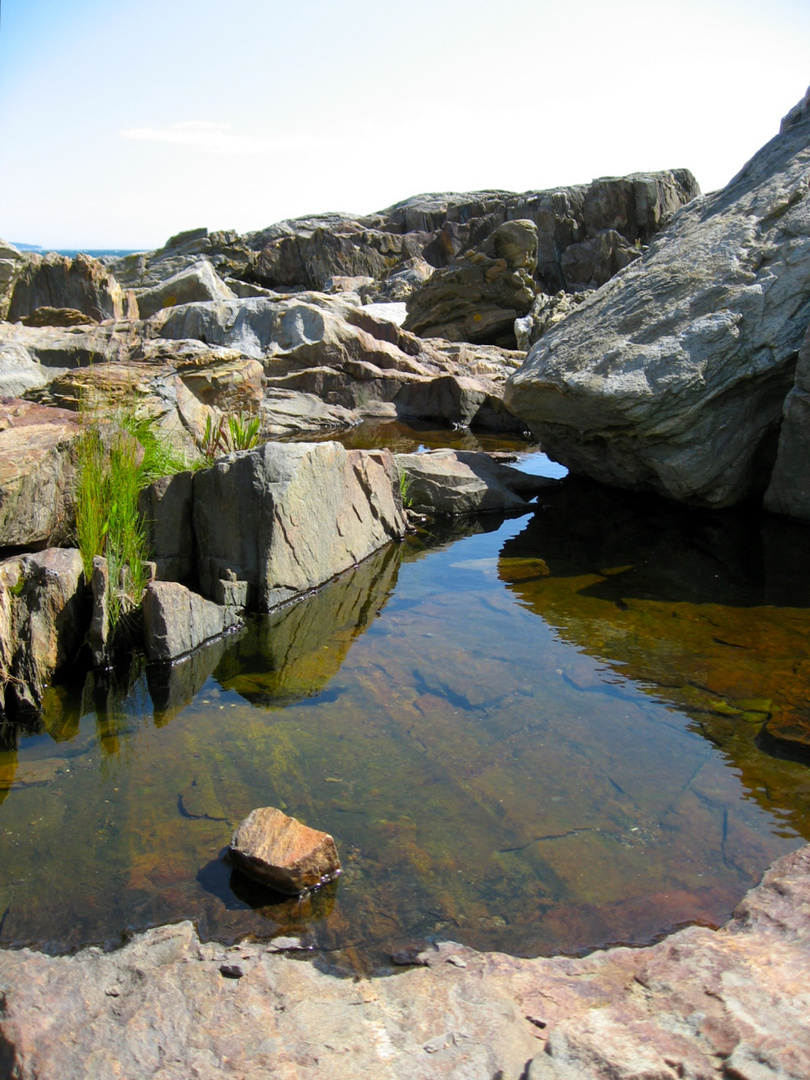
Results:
281 852
672 377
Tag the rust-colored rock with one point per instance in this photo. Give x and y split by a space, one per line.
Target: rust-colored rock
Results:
281 852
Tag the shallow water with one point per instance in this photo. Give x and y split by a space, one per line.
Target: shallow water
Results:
545 735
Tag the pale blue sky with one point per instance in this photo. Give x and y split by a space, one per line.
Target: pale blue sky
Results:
122 123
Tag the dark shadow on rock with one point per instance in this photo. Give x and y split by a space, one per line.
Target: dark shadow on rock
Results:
294 653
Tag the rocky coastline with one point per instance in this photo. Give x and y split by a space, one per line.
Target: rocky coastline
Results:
650 338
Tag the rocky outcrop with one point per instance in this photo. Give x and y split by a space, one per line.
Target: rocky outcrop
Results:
479 297
43 617
672 377
283 853
37 474
789 488
546 311
56 281
176 621
702 1003
398 247
454 482
11 261
198 282
287 517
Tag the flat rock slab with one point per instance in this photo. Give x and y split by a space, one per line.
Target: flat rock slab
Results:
452 483
700 1004
282 852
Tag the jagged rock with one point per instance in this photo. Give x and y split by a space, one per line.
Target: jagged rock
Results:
19 373
701 1003
59 348
165 507
673 376
455 482
281 852
592 262
197 282
43 618
37 474
285 412
51 316
176 620
56 281
546 311
789 488
479 297
288 517
11 261
458 400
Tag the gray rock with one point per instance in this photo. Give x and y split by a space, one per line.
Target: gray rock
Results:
176 620
165 507
283 853
285 412
99 633
479 297
546 311
789 488
455 482
19 372
44 612
56 281
288 517
672 377
197 282
11 261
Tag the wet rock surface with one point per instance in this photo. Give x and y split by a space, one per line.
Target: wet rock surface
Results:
672 377
701 1003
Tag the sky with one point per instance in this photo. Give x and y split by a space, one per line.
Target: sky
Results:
122 123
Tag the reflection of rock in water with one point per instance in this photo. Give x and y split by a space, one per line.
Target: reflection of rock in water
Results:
294 653
713 610
173 685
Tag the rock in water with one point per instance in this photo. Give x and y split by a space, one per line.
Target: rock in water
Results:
672 377
177 620
287 517
279 851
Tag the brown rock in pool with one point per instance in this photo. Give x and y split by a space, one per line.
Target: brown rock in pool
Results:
281 852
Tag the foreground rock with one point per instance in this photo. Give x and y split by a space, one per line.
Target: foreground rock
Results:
287 517
44 612
177 621
282 853
479 297
673 376
56 281
701 1004
198 282
455 482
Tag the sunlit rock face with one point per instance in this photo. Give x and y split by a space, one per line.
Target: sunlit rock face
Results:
672 377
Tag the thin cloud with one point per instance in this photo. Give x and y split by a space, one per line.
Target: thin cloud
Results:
204 134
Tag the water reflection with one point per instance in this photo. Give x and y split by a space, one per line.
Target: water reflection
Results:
470 714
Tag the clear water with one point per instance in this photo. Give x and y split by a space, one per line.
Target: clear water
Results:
537 734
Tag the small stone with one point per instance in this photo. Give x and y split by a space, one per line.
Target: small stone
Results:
281 852
231 971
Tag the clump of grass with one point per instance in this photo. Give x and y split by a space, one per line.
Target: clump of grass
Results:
115 461
235 432
405 489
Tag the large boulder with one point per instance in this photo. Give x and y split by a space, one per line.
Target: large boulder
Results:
672 377
196 282
11 261
789 489
37 474
287 517
44 613
57 281
479 297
